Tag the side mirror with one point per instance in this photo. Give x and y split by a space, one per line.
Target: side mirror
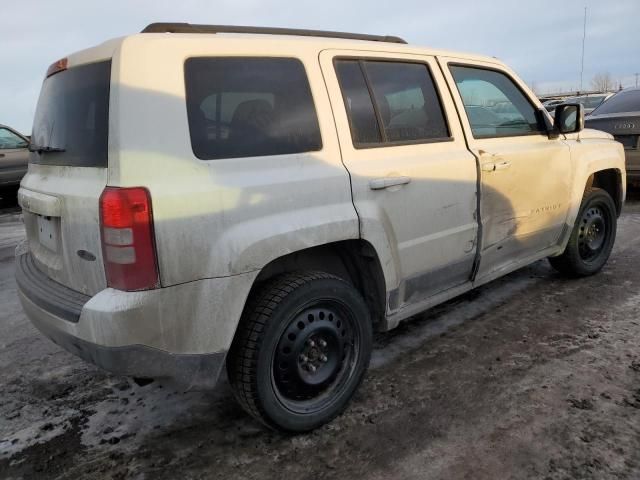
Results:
569 118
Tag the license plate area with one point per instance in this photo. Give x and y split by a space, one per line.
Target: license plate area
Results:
48 232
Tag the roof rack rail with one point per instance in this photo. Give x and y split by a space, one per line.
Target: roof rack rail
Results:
193 28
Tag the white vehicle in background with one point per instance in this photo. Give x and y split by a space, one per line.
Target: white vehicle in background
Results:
266 198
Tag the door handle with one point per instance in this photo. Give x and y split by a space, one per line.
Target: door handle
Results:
386 182
1 155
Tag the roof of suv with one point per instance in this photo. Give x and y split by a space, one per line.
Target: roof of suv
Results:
284 37
320 39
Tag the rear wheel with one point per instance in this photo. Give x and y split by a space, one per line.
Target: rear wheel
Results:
592 237
301 350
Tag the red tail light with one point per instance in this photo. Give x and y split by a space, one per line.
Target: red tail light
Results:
128 247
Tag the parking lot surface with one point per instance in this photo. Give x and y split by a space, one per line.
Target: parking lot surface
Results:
531 376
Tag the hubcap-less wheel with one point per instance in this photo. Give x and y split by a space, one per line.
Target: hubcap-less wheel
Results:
592 237
301 350
593 233
314 356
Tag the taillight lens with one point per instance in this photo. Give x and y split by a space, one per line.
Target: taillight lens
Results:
128 247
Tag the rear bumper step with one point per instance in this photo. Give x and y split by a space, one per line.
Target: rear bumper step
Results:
49 295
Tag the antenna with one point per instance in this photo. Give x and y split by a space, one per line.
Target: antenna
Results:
584 36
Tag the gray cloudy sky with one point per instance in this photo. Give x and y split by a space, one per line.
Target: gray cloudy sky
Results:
541 40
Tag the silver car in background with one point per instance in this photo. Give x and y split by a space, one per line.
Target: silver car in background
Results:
14 156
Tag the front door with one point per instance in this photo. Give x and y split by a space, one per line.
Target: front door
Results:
413 179
525 176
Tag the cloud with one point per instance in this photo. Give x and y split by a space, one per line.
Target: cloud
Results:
542 41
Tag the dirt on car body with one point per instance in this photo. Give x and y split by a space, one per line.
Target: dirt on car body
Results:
532 376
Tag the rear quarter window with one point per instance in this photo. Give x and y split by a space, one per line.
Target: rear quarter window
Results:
248 107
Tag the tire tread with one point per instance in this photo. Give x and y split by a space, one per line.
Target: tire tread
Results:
243 356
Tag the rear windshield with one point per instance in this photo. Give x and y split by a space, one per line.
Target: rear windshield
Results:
592 102
73 115
247 107
621 102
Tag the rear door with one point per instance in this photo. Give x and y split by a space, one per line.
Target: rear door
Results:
526 177
60 194
413 179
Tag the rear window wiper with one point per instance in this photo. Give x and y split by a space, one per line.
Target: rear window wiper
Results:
44 149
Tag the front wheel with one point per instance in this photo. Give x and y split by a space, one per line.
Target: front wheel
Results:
301 350
592 237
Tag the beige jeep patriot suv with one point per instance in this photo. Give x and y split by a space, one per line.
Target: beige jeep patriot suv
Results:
267 198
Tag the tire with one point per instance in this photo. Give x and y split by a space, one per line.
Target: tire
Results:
301 350
592 238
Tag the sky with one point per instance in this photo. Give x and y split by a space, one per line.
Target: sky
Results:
541 41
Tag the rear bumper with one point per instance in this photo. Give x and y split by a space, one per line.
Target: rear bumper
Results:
52 297
181 332
197 371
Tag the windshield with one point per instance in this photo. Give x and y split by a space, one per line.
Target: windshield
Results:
621 102
72 118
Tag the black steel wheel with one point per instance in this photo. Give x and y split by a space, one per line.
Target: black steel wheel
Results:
315 355
301 350
592 233
592 237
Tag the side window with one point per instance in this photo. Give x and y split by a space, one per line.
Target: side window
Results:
362 116
495 106
390 102
9 140
245 107
407 101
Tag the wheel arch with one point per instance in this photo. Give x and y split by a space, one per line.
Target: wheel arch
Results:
353 260
610 180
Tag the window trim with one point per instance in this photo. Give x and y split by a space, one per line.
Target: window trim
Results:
383 135
518 87
276 57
